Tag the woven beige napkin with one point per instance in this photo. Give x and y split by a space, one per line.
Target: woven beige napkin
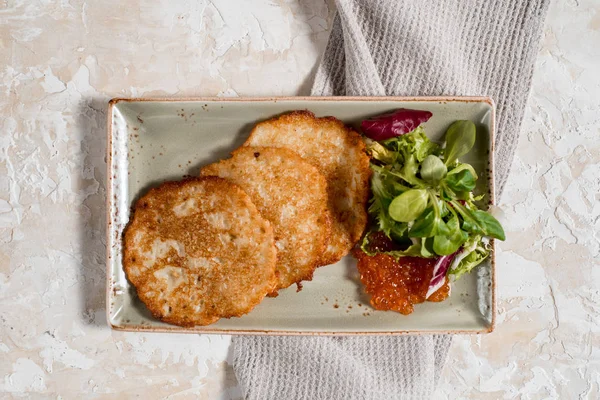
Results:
402 47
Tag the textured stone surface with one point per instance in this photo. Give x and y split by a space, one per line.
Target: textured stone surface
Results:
547 342
61 61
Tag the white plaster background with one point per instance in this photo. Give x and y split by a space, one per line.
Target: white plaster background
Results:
60 61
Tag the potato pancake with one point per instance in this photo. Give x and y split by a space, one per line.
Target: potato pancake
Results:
339 153
198 250
292 195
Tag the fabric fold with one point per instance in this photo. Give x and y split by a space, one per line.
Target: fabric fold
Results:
402 48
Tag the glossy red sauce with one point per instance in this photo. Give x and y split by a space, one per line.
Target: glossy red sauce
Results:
396 285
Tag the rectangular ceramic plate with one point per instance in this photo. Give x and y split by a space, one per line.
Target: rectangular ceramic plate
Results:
155 140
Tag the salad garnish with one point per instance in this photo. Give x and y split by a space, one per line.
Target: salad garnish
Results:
423 194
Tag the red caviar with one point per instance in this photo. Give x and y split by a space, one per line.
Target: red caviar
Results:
396 285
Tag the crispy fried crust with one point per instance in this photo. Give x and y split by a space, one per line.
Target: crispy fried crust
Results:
339 152
198 250
291 194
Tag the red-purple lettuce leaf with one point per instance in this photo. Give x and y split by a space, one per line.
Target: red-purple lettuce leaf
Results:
439 273
396 123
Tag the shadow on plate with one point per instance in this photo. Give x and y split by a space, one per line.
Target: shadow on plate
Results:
224 152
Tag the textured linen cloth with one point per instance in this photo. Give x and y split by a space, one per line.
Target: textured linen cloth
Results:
402 47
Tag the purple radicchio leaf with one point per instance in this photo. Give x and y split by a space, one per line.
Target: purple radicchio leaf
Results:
396 123
439 273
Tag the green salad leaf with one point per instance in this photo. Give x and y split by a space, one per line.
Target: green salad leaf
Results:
446 245
474 251
423 198
462 167
433 169
430 223
479 222
409 205
463 181
460 138
381 153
